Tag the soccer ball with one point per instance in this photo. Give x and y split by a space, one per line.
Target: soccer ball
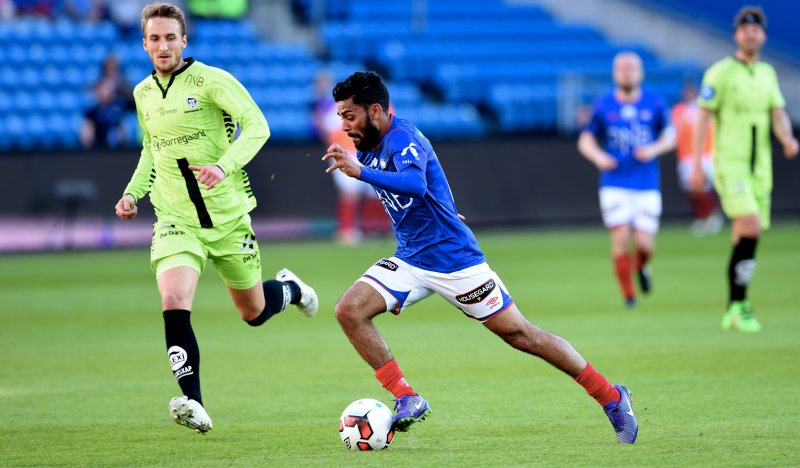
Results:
366 424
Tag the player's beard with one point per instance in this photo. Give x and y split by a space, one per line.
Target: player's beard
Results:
371 137
170 67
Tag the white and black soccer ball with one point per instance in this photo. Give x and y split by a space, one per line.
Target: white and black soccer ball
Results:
366 424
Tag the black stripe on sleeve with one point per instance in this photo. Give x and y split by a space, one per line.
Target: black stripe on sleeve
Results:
194 193
753 151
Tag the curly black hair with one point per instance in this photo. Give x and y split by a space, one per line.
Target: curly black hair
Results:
366 89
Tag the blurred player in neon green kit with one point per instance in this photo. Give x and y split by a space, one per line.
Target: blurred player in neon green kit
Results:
193 169
742 95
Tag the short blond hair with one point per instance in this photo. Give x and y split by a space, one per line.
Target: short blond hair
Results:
163 10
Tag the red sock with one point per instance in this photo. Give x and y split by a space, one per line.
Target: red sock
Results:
597 386
642 258
703 204
622 266
392 379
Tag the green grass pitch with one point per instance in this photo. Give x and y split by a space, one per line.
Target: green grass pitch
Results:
84 378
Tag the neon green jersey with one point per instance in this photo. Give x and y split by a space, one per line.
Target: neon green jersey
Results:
190 119
742 96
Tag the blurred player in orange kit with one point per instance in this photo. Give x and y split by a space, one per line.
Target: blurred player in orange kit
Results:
353 195
708 218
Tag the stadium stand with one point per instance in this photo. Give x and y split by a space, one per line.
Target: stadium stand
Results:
784 37
459 68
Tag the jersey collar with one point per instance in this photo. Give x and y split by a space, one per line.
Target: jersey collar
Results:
189 61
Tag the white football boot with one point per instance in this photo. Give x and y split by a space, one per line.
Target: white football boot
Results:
189 413
308 297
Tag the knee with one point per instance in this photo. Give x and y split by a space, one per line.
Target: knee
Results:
346 311
524 339
249 312
173 301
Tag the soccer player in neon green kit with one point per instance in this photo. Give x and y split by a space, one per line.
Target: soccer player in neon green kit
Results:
188 113
742 95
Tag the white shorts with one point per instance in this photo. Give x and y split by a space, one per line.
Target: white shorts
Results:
640 209
477 291
685 169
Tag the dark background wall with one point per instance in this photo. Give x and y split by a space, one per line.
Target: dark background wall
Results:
521 181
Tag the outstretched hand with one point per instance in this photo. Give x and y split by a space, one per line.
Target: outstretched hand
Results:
208 175
343 161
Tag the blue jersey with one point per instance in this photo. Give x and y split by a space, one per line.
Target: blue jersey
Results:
621 128
429 233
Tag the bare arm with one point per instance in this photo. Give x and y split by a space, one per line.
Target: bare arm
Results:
782 128
697 180
591 150
704 117
665 143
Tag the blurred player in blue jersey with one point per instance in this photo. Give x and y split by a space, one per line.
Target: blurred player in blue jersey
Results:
634 128
436 253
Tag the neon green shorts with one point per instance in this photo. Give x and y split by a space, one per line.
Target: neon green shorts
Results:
741 193
231 246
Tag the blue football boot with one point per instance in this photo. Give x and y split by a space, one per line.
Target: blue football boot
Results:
620 413
409 409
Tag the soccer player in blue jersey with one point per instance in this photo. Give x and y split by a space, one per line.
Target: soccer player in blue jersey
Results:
436 253
634 128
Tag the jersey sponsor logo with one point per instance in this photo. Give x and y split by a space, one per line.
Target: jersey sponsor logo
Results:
624 139
707 92
198 81
143 91
171 232
478 294
158 143
394 201
162 112
388 264
410 148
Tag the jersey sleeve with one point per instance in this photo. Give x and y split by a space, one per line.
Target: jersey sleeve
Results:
776 100
712 89
144 175
596 125
406 150
664 124
230 96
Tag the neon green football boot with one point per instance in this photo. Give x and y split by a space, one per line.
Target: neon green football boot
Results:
730 321
748 323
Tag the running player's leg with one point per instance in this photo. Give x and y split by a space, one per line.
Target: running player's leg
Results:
745 233
480 294
740 203
236 255
517 331
623 266
646 219
177 257
387 286
177 286
617 207
645 246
